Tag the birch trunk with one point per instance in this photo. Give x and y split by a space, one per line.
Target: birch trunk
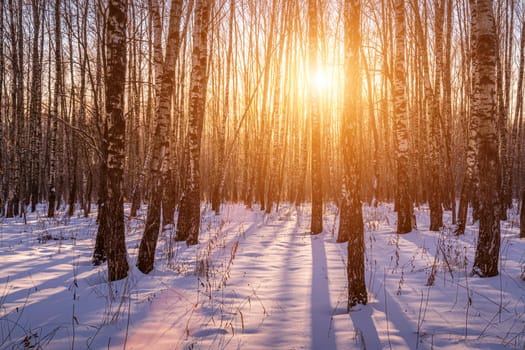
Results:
56 99
351 222
518 115
148 243
218 191
487 251
469 182
2 115
506 150
188 223
35 108
447 113
436 192
99 253
404 202
116 57
316 225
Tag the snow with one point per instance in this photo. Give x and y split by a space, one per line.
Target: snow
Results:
258 281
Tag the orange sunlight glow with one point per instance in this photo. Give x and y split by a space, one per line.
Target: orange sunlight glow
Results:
321 80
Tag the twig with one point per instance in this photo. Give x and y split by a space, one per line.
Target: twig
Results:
88 139
386 310
127 323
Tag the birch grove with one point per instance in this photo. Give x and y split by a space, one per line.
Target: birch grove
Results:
173 108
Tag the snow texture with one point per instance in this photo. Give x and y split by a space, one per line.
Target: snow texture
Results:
257 281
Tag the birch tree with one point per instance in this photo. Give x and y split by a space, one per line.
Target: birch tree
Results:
436 193
2 114
188 224
160 140
51 201
516 131
469 186
351 220
35 106
487 250
15 150
447 119
217 195
404 202
116 56
99 253
316 225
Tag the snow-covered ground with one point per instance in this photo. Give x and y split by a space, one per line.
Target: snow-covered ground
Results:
257 281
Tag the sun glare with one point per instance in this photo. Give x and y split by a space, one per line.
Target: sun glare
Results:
321 80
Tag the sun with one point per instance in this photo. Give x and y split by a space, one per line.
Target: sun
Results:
321 79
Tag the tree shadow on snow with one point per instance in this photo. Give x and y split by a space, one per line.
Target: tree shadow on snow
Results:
323 336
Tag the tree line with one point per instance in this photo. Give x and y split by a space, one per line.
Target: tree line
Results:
171 103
